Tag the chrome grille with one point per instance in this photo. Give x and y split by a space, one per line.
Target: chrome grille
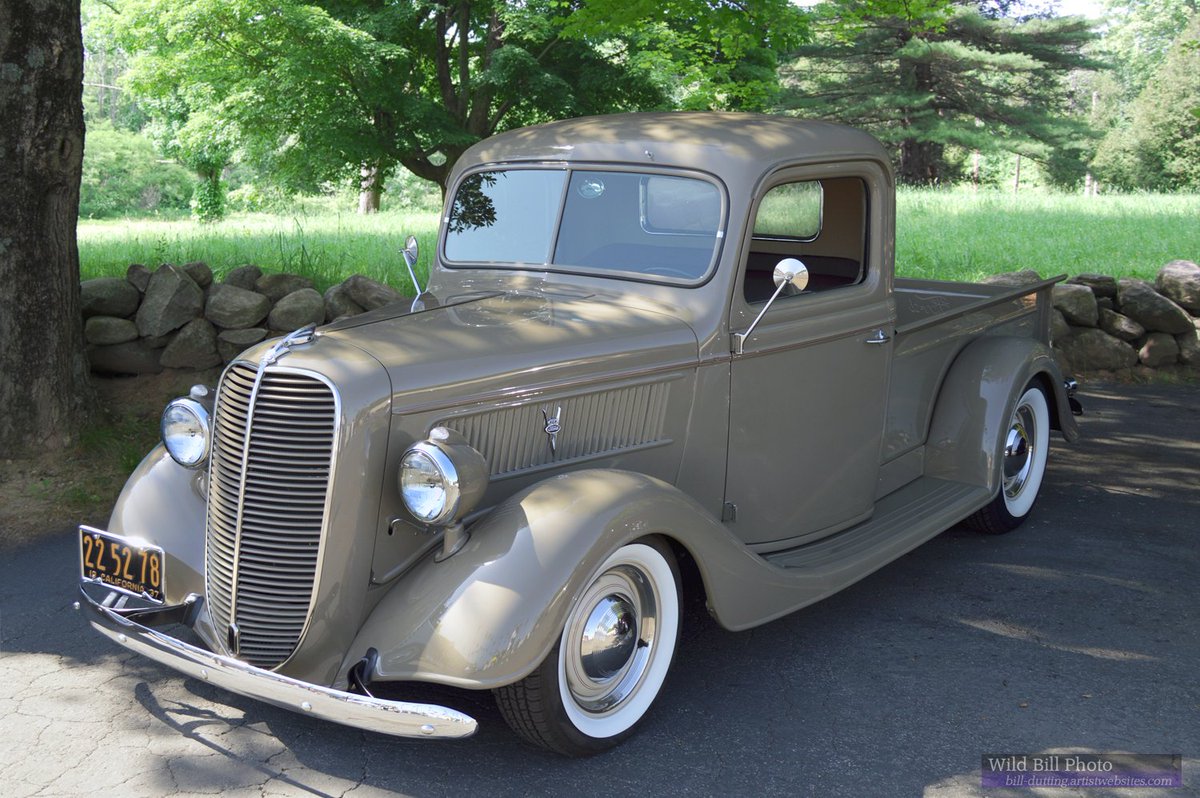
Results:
271 462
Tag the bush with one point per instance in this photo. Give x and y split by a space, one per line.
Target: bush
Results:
124 176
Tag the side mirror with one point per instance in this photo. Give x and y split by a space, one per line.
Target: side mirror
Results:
410 253
789 274
792 273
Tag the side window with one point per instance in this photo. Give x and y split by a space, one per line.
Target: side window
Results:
823 223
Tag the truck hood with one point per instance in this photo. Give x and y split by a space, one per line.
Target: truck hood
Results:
508 344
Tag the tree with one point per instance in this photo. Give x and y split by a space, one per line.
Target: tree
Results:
45 385
1159 146
329 90
926 75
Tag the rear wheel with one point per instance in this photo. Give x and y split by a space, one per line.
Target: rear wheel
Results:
1022 465
610 661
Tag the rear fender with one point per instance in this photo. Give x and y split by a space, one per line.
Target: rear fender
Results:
976 401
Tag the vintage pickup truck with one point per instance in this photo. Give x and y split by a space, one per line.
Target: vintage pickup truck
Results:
657 353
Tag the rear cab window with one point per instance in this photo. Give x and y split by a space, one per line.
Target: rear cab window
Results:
822 223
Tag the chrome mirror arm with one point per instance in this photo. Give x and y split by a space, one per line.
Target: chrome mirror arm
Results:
788 271
739 339
410 253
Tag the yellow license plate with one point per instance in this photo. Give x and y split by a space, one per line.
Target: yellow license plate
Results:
122 564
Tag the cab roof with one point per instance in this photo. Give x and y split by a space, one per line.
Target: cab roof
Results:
726 144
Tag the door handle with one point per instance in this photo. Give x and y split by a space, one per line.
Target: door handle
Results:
878 337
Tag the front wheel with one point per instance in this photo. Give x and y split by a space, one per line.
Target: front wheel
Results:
1023 463
610 661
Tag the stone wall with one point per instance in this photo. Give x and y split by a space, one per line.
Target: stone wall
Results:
179 317
1103 323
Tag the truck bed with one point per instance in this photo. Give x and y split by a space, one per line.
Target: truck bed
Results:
935 320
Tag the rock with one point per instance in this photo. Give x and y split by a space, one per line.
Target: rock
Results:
232 343
158 341
1106 302
138 276
1077 303
1120 326
244 276
1179 281
369 294
338 303
1140 302
108 296
132 357
231 307
172 300
1101 285
1189 348
198 270
1089 349
1058 325
109 330
297 309
1009 278
276 286
194 347
1160 349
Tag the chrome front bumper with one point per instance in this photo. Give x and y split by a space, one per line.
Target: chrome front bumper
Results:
398 718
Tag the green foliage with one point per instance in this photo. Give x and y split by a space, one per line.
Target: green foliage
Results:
941 74
1159 146
122 174
313 92
208 201
1139 34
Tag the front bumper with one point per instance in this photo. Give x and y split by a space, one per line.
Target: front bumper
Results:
397 718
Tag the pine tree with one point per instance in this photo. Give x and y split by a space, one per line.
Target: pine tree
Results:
926 75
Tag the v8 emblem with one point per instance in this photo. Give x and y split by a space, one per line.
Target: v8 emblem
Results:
553 425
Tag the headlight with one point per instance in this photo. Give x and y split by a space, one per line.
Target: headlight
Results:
442 478
186 432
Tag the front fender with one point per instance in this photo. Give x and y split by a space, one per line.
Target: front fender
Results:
976 401
488 615
162 503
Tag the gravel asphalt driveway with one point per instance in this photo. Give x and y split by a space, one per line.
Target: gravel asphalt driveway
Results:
1080 631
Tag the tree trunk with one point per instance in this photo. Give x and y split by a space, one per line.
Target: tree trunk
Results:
920 162
370 188
44 390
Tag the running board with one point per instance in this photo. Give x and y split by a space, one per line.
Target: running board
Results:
749 589
901 522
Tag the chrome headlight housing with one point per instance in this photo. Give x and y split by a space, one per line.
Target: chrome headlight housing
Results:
187 432
442 478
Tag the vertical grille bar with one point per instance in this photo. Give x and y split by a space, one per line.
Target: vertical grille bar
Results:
271 466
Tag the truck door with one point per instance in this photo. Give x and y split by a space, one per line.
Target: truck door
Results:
809 386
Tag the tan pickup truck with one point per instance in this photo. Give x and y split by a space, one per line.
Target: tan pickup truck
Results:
657 354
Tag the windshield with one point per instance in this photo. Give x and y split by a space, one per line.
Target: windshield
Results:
631 224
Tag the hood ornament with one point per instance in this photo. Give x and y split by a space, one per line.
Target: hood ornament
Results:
553 425
304 335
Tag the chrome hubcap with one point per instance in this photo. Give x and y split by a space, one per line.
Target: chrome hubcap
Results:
609 638
1018 451
612 637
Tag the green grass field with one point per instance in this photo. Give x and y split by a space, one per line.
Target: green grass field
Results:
949 235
